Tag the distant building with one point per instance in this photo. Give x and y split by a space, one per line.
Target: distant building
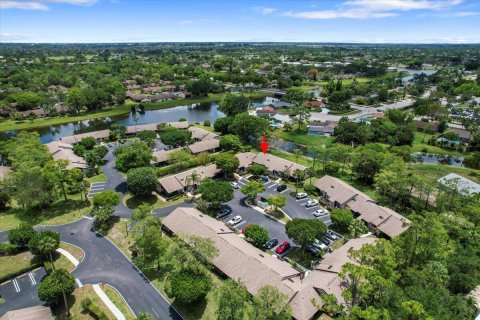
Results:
64 151
31 313
380 219
266 112
326 128
182 182
463 135
423 125
463 185
275 165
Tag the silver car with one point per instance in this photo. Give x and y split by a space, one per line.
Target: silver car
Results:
235 220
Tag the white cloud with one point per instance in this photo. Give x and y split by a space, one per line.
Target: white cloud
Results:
374 9
7 37
264 10
466 13
40 4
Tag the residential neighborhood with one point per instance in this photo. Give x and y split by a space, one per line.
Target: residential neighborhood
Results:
239 160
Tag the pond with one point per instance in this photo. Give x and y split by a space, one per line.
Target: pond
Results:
432 158
193 113
412 72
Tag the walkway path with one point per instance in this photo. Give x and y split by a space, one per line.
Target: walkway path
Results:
113 308
69 256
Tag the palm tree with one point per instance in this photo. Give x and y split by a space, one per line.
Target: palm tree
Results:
191 179
60 277
298 174
297 152
48 245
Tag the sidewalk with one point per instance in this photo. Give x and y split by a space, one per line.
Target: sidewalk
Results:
113 308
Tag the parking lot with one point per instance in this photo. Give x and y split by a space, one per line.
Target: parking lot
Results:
21 292
295 208
95 188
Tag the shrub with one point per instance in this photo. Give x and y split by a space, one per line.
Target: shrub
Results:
4 200
21 235
207 123
256 235
257 169
341 218
187 287
7 248
141 182
50 289
86 303
309 188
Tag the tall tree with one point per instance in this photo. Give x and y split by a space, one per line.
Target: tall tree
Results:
232 298
304 231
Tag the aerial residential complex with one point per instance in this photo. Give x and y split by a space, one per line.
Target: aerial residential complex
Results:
240 160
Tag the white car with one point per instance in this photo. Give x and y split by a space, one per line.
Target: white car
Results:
311 203
234 185
155 150
301 196
320 213
235 220
320 245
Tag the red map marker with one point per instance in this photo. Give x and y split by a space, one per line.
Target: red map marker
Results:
264 145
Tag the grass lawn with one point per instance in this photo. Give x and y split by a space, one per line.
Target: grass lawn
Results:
98 178
118 234
76 310
304 139
154 201
303 160
118 301
14 263
60 212
205 127
420 144
61 262
434 172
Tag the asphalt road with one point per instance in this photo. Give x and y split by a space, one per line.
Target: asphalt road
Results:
105 263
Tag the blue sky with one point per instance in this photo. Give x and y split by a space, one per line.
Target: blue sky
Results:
417 21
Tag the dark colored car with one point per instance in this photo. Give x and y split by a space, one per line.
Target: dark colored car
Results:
263 179
283 247
270 243
282 188
313 250
224 212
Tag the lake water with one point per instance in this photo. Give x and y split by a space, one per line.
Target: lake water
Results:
412 72
193 113
432 158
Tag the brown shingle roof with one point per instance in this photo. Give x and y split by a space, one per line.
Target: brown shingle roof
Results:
64 151
179 124
384 219
178 182
205 145
162 155
101 134
32 313
272 163
201 134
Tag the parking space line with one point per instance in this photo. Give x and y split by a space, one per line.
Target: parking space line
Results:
240 223
95 183
15 284
32 279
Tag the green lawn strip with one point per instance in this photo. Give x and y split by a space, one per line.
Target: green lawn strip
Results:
435 172
420 145
98 178
15 264
118 301
154 201
303 139
205 128
122 238
60 212
303 160
76 310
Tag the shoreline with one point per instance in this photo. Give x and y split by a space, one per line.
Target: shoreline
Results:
12 125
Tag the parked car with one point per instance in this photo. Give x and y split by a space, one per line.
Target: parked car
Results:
282 188
234 185
245 228
122 141
168 148
320 245
327 241
235 220
283 247
110 145
333 235
311 203
320 213
301 195
313 250
155 150
224 212
270 243
263 179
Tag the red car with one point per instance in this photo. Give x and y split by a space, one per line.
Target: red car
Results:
283 247
245 229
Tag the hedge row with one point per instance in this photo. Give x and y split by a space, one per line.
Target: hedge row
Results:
8 276
93 309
